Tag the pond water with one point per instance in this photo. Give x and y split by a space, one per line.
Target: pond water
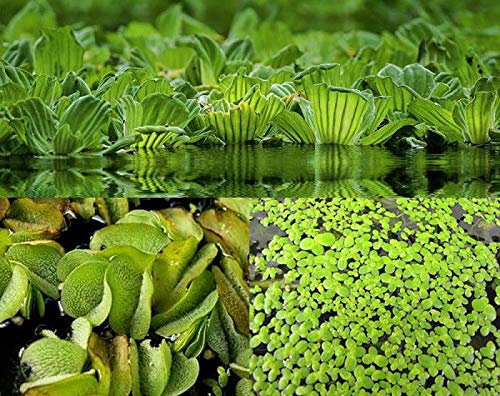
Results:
287 171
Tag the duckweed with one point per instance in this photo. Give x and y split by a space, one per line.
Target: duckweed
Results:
386 297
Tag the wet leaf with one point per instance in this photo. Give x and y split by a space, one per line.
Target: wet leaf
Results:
168 269
180 224
121 377
229 230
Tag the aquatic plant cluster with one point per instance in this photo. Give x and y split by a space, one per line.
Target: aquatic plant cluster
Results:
153 293
79 89
386 296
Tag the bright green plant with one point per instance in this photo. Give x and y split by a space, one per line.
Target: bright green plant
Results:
375 296
149 86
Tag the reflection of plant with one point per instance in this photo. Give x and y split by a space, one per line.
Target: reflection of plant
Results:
361 295
147 271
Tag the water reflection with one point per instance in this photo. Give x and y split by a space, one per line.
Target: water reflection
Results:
260 171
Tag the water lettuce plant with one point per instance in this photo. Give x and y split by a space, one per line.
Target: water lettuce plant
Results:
72 90
389 296
150 294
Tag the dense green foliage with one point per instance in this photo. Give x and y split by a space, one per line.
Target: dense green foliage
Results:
167 286
79 89
356 296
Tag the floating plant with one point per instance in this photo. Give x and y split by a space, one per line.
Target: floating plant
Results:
151 294
389 296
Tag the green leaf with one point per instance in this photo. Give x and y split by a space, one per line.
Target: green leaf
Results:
223 337
57 52
342 125
229 230
431 113
476 117
87 117
41 123
131 290
143 237
164 110
233 293
210 55
35 15
85 293
383 134
51 356
294 127
183 375
194 305
40 261
63 385
13 289
180 224
168 268
154 366
27 215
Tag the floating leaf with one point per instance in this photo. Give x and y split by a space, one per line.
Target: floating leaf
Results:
26 215
57 52
229 230
143 237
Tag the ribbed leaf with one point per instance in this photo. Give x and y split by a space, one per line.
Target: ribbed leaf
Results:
416 77
385 86
476 117
328 73
41 124
431 113
338 113
156 85
384 133
66 142
89 116
57 52
238 125
210 55
47 88
161 109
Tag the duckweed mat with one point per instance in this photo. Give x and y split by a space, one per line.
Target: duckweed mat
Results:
388 296
116 296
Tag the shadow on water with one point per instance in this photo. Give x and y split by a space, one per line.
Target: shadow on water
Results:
259 171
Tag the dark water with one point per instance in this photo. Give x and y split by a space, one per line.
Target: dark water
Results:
257 171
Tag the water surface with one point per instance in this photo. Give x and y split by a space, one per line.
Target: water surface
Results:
288 171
